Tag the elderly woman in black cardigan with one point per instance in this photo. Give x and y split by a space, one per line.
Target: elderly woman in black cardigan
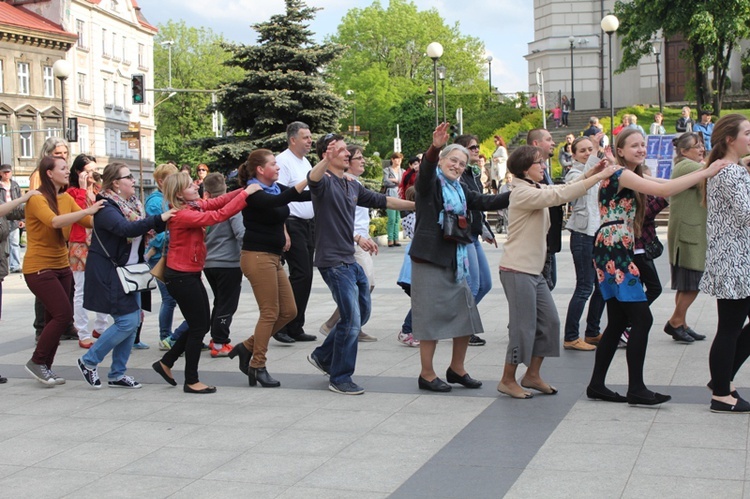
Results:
442 304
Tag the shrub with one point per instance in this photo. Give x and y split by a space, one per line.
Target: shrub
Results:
378 226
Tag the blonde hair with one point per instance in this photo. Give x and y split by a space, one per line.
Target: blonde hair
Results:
163 171
172 189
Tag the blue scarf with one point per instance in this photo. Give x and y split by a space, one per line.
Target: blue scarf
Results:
454 201
273 189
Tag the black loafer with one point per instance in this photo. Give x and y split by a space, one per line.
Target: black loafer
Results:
208 389
606 396
3 379
694 335
465 380
678 333
741 407
436 385
282 337
304 337
652 398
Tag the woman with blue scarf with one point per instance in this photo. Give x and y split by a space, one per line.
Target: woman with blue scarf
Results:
265 240
533 322
442 304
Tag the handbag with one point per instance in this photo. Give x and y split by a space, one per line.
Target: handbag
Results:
456 228
654 249
158 269
134 278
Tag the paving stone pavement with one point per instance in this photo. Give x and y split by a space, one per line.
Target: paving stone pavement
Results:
303 441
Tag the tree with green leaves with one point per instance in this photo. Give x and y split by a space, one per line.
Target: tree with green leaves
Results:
712 30
384 63
197 58
281 83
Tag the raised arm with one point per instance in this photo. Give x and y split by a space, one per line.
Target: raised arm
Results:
647 185
316 174
8 207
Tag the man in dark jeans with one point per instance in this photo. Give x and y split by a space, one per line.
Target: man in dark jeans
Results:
336 198
293 168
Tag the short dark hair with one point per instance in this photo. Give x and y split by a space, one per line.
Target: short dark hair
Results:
322 144
705 113
294 127
534 135
522 158
466 139
215 184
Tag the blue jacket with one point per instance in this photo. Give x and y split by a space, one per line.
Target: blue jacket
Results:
102 291
156 205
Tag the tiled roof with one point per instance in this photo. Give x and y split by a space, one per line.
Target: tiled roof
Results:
19 17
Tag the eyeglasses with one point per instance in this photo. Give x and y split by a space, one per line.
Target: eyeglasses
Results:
358 158
129 177
202 170
473 148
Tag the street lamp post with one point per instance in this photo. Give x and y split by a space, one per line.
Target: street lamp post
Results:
489 73
441 76
572 40
62 69
656 49
350 93
609 25
169 44
434 52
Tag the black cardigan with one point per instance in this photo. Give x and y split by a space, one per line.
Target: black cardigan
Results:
428 243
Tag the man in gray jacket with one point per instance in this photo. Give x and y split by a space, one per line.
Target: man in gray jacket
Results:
222 268
10 190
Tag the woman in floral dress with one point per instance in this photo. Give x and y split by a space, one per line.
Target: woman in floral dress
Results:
622 204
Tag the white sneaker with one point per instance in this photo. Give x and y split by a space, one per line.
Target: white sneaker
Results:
407 339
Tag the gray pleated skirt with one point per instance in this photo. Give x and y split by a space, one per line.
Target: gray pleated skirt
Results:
441 307
685 279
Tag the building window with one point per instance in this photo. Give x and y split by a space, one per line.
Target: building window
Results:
125 102
81 31
52 132
82 87
49 82
113 4
105 87
83 138
23 78
27 142
2 76
115 141
141 56
114 44
104 42
114 93
124 50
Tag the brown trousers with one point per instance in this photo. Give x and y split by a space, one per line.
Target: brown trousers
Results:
275 300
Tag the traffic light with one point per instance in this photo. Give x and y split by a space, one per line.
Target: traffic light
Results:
72 130
139 90
454 132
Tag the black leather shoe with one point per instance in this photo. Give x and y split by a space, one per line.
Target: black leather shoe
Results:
694 335
304 337
605 394
436 385
282 337
678 333
208 389
159 369
648 398
741 407
3 379
244 354
260 375
465 380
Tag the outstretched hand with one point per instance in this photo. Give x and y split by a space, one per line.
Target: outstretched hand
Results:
607 171
440 135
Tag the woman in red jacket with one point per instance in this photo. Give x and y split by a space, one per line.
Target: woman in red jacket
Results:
185 259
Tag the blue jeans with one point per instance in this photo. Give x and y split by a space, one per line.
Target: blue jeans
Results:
14 256
351 292
480 278
582 247
118 338
166 311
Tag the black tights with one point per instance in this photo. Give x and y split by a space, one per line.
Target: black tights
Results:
619 316
731 346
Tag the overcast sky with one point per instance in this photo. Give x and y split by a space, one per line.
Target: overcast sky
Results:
505 26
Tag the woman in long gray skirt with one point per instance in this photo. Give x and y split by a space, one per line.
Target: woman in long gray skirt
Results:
442 304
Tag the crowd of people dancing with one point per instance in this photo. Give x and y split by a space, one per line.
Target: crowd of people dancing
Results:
81 226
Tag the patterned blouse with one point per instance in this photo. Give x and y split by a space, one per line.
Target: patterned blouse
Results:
727 274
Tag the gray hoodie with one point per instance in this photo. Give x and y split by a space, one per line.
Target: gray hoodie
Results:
224 242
